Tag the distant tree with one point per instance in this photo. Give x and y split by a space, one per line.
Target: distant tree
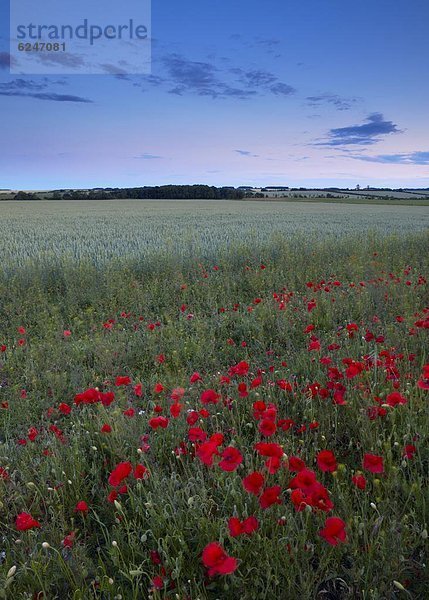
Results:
25 196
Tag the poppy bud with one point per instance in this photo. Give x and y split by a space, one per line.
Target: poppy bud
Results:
399 586
11 572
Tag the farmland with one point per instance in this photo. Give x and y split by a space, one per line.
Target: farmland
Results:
103 230
203 400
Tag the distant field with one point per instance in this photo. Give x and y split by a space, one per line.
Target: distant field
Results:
352 199
373 195
102 230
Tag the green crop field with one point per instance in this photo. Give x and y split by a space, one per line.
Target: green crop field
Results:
213 400
102 230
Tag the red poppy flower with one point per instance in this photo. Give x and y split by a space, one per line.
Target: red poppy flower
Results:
119 473
423 382
107 398
409 451
270 496
299 499
305 481
354 369
25 521
106 428
32 434
241 369
192 417
326 461
267 427
140 472
69 540
113 495
206 452
82 507
253 483
334 531
177 394
209 397
157 582
268 449
359 481
196 434
247 526
90 396
175 410
195 377
64 408
319 498
242 390
130 412
216 560
273 464
373 463
122 380
138 390
231 458
157 422
296 464
395 398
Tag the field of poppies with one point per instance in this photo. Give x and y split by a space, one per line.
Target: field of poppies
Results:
251 425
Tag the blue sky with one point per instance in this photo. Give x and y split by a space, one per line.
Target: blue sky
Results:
311 93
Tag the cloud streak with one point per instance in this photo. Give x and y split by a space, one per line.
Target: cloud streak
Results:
28 88
146 156
338 102
246 153
406 158
368 133
180 76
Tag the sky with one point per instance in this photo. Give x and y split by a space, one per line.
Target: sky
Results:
313 93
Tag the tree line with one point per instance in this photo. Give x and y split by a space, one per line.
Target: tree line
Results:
173 192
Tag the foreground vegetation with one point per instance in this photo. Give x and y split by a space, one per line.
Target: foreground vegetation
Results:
251 426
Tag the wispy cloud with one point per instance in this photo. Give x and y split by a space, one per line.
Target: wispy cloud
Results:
338 102
262 80
146 156
247 153
406 158
370 132
28 88
65 59
49 96
201 78
180 76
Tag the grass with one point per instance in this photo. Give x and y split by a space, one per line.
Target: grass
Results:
68 325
